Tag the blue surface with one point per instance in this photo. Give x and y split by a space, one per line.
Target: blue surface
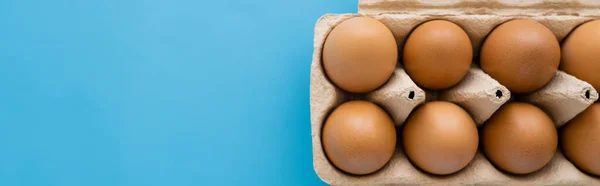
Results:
149 92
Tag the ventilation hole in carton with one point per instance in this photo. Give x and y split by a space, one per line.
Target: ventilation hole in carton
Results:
498 94
587 94
411 95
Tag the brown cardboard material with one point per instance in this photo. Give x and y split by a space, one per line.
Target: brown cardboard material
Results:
496 7
559 171
477 93
398 96
561 98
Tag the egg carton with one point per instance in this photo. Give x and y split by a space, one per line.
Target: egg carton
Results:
562 98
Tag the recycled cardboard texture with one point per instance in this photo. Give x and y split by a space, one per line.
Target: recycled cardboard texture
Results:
480 171
477 93
563 91
561 98
496 7
398 96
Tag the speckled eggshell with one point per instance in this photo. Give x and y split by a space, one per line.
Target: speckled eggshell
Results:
359 137
581 53
521 54
519 138
360 54
580 140
440 138
437 54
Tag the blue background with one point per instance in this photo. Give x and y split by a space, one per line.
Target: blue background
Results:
147 92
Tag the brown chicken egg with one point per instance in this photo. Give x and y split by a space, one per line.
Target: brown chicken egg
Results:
437 54
522 55
360 54
580 140
581 53
440 138
519 138
359 137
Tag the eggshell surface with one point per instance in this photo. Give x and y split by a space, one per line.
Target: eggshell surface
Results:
521 54
359 137
437 54
440 138
519 138
581 53
360 54
580 140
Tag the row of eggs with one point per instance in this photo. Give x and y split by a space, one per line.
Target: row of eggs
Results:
360 54
441 138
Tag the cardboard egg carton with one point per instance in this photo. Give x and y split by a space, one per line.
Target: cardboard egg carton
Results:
482 7
563 98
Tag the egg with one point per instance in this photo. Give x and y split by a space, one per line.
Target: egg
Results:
360 54
581 53
437 54
580 140
359 137
522 55
440 138
519 138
